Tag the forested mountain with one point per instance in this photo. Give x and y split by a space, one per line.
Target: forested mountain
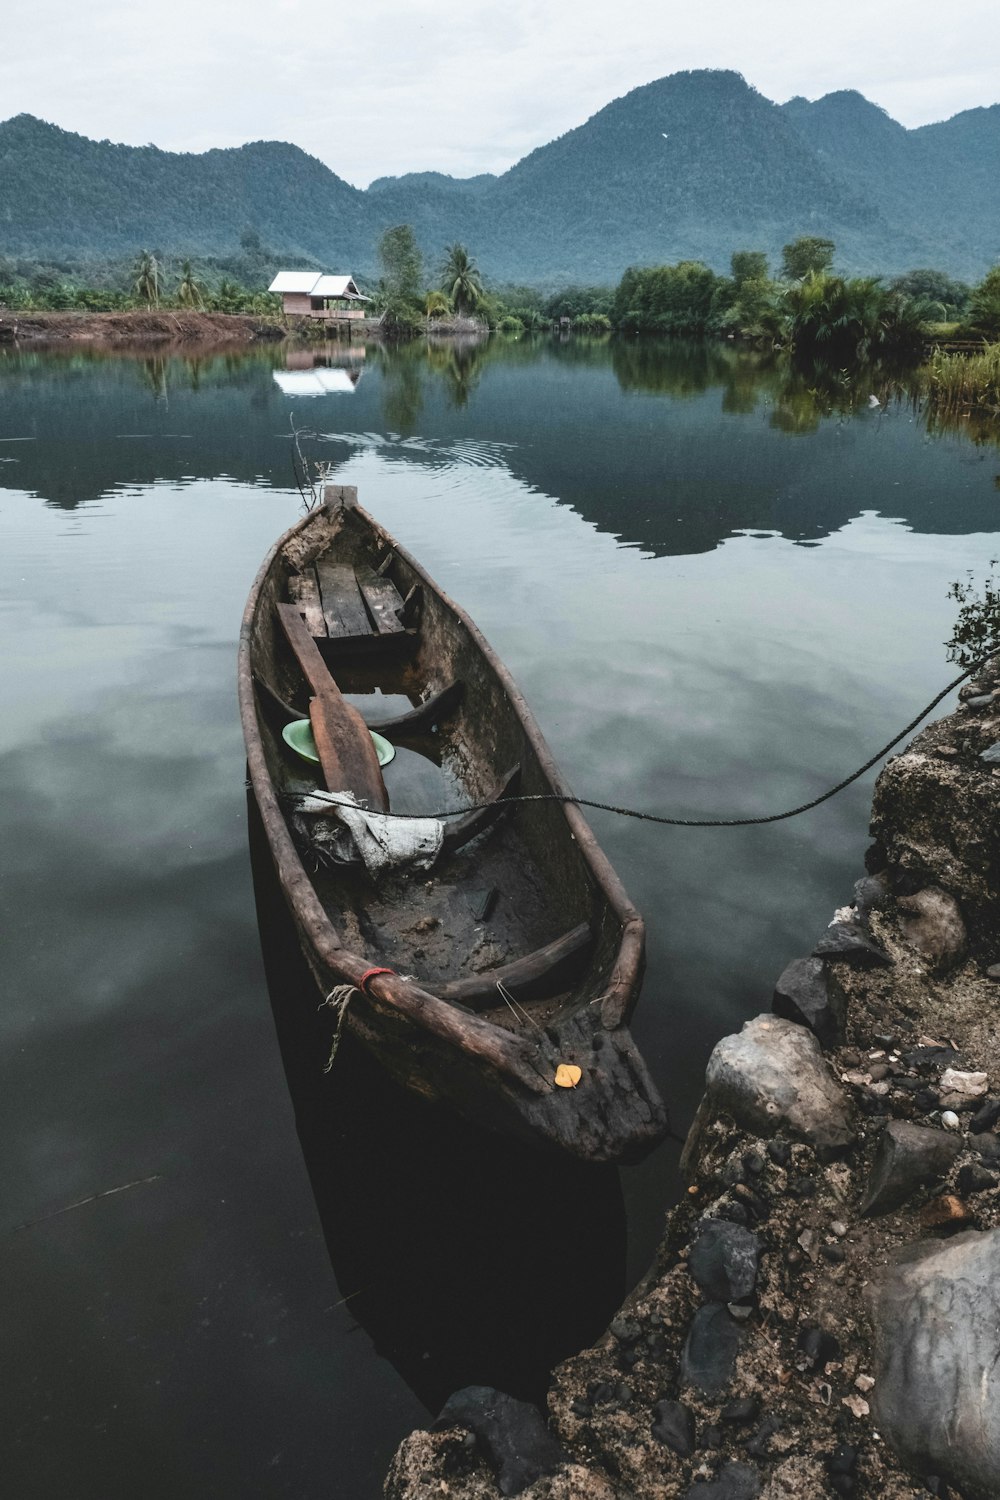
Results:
943 180
693 166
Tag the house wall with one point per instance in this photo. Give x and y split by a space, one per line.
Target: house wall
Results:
297 303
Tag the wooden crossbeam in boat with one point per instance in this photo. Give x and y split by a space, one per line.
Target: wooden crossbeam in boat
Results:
433 709
471 824
347 754
545 971
382 598
343 607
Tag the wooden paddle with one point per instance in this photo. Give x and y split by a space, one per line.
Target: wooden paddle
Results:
347 754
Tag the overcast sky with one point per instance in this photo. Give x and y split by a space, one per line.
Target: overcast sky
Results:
460 86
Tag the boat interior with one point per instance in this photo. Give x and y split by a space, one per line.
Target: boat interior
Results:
346 622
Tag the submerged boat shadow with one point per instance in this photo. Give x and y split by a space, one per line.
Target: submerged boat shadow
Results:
467 1259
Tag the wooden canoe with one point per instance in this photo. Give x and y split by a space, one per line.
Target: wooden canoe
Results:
519 950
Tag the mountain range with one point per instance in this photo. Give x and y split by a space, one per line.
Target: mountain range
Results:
693 166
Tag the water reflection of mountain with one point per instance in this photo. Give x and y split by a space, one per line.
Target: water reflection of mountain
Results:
671 447
467 1261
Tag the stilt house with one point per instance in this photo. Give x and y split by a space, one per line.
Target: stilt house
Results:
313 294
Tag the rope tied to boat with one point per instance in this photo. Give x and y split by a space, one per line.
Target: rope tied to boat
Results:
647 817
338 1000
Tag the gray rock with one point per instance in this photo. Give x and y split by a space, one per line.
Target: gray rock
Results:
513 1435
849 940
976 1179
932 922
710 1350
991 755
986 1116
871 893
772 1074
908 1157
733 1482
988 1146
805 994
673 1425
936 1311
723 1260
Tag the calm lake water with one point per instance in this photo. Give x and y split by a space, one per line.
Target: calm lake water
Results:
721 590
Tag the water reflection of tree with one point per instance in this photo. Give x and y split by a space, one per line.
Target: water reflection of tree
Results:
800 393
153 371
459 364
402 386
670 367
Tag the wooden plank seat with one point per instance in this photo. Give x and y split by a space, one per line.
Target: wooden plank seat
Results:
353 609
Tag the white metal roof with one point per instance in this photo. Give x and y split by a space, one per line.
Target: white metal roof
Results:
315 284
294 281
336 286
321 382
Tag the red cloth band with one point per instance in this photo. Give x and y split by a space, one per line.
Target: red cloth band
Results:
370 974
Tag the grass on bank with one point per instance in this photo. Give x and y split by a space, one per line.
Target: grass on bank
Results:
964 382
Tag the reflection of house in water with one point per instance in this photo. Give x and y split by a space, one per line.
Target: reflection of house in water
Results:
319 382
307 373
313 294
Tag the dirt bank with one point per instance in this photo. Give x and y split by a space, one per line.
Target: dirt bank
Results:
120 328
804 1332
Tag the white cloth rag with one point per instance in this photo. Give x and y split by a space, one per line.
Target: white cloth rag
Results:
382 841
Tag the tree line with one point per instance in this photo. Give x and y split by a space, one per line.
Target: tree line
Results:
805 305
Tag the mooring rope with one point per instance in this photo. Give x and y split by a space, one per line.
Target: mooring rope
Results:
647 817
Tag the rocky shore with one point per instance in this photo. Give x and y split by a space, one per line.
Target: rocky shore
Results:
115 329
823 1315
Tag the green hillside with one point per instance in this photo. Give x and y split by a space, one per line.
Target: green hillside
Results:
693 166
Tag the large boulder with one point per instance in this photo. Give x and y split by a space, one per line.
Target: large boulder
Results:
772 1075
936 822
512 1434
936 1316
932 923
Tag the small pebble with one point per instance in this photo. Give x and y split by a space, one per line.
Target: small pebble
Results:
744 1410
943 1212
834 1253
985 1116
950 1120
864 1383
993 972
975 1179
839 1228
780 1152
843 1460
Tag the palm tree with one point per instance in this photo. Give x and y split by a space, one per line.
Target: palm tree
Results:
190 293
436 304
460 279
147 279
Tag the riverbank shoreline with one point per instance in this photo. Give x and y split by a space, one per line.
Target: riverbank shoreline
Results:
118 329
817 1320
